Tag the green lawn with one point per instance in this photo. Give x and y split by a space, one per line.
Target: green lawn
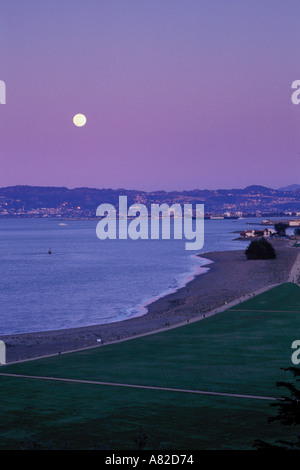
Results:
242 350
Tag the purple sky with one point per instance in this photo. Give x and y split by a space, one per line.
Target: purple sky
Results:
178 94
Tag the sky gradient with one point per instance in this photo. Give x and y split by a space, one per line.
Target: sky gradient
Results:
177 94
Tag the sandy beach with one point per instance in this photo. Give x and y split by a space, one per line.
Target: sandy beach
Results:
230 279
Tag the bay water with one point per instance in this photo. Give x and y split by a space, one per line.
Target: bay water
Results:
87 281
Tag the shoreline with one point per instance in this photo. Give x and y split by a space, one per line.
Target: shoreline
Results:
199 269
202 297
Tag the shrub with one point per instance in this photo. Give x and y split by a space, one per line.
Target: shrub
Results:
280 228
260 249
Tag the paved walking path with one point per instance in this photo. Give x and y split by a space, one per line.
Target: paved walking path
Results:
226 306
147 387
293 276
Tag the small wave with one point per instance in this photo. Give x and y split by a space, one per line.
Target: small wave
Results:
181 281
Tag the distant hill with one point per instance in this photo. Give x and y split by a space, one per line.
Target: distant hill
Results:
292 187
41 201
259 189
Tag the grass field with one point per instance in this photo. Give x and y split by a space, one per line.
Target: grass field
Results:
240 351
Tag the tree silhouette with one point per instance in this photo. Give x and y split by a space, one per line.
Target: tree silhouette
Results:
260 249
288 414
297 231
281 228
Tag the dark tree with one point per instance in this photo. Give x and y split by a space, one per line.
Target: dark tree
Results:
297 232
288 414
260 249
259 233
281 228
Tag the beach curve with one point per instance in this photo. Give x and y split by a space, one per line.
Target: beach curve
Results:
205 295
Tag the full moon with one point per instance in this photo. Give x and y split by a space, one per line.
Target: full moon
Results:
79 120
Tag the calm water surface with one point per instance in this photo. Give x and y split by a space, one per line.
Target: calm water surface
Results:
86 281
